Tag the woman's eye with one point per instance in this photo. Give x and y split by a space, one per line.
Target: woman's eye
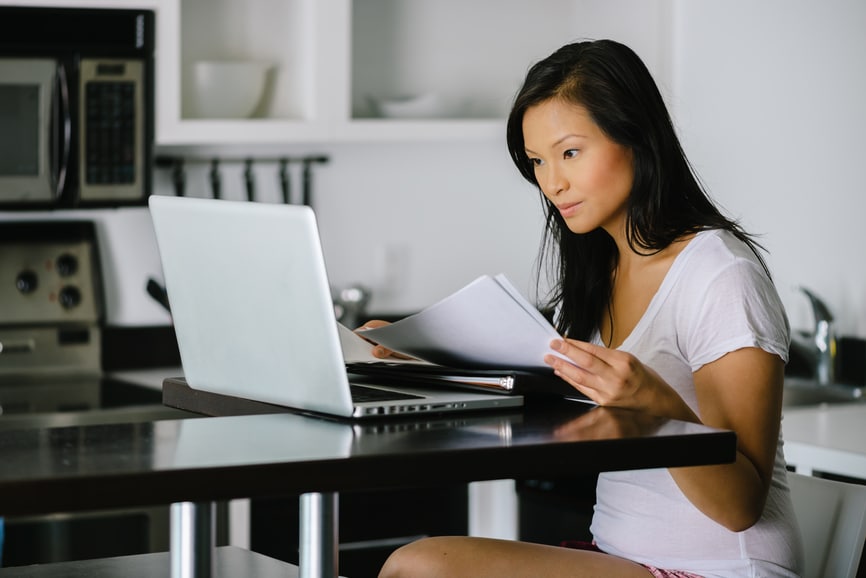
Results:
570 153
536 162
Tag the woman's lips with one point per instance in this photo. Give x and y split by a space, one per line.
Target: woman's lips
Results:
568 209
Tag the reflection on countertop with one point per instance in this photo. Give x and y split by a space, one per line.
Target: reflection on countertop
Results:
40 403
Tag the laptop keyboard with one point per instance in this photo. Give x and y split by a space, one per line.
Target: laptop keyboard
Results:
361 393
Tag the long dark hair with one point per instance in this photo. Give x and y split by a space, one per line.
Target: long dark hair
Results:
666 202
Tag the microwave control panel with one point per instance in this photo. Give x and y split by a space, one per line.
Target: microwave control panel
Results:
112 135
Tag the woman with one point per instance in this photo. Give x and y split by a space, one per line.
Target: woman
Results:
667 308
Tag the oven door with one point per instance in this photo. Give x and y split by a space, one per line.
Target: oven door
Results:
30 109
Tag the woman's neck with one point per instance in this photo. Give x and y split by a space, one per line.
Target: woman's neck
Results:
636 279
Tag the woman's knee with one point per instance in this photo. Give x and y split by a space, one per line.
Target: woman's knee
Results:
420 558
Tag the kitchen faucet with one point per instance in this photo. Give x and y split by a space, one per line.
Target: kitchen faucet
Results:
350 305
819 346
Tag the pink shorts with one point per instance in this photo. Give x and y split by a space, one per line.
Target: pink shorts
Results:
656 572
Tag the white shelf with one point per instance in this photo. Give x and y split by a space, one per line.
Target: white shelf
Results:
331 56
252 131
285 33
378 130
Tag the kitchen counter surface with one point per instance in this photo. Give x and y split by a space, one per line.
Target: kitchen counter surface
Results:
151 377
827 438
119 465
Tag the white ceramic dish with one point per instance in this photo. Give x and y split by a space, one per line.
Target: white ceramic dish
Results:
228 89
417 106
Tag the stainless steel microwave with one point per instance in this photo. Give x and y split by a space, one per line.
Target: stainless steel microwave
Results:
76 107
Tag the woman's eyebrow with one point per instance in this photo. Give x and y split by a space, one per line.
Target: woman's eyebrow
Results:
558 141
568 136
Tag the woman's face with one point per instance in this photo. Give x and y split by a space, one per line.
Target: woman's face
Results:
586 175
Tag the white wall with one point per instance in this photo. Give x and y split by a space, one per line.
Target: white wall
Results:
770 99
411 222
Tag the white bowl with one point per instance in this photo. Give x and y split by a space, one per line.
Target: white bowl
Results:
416 106
228 89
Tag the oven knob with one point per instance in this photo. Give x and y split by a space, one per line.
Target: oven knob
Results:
27 281
69 296
67 264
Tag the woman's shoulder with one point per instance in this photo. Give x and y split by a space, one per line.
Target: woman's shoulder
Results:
719 248
716 260
723 295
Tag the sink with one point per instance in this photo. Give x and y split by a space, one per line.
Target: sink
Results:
804 391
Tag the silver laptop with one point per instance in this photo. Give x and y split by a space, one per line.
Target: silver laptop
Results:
252 310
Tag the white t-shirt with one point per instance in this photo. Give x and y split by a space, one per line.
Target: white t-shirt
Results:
716 298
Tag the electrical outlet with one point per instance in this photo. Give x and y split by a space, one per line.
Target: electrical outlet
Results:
392 268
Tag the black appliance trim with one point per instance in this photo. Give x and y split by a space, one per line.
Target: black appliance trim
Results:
45 231
87 31
139 347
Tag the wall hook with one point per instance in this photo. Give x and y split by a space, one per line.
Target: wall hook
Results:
249 179
215 179
285 181
178 177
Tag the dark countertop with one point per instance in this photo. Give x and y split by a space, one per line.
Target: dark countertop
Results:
91 467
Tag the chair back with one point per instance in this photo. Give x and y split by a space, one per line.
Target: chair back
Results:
832 517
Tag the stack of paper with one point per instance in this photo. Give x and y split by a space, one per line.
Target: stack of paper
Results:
486 324
485 335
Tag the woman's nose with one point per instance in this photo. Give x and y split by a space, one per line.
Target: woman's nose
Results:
554 182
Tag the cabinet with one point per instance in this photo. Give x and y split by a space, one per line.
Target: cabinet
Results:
289 35
331 57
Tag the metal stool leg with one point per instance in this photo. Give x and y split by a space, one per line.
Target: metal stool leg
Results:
193 533
319 542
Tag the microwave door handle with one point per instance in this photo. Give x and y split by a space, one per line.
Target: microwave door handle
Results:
65 125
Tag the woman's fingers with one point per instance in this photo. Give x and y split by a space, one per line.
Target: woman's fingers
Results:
373 324
585 356
607 376
571 370
385 353
378 350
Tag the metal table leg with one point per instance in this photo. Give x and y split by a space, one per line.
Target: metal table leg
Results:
193 539
319 542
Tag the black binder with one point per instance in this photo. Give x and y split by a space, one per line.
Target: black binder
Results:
502 381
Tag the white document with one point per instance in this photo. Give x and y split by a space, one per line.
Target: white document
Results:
486 324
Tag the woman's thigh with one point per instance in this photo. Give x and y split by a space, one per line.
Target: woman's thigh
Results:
455 557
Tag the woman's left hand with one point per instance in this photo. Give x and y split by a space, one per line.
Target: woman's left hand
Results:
615 378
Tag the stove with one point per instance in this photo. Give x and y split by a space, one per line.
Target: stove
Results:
51 375
50 299
51 334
